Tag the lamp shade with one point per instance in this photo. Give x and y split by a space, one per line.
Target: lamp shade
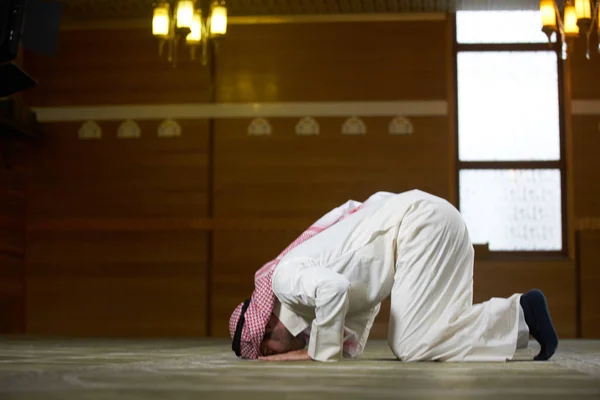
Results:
571 28
195 34
548 14
583 9
218 20
161 20
185 13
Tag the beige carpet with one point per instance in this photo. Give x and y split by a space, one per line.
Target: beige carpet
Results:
207 369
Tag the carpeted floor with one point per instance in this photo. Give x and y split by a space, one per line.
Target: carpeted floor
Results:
207 369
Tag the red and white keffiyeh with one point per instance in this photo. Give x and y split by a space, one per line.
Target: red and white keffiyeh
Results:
263 300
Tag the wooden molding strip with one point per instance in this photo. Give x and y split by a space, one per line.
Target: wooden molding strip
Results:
586 107
587 224
196 224
244 110
350 17
166 224
267 110
146 23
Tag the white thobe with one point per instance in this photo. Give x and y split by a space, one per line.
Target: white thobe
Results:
413 246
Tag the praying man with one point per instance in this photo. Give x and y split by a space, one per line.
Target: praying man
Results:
318 299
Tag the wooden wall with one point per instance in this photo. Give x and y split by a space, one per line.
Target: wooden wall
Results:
585 86
156 236
13 203
363 61
278 176
13 213
290 177
107 251
589 283
556 277
112 67
104 256
113 247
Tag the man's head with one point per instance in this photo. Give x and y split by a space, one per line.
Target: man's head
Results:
248 322
278 339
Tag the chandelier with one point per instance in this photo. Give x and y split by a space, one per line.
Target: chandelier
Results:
579 17
175 21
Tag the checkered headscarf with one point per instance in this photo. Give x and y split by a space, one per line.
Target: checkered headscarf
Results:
251 327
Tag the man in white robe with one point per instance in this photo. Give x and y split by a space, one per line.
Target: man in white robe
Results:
414 247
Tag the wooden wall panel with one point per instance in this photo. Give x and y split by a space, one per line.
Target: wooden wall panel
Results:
12 245
503 279
285 175
13 213
110 177
117 283
589 278
237 256
555 278
584 73
403 60
586 142
289 177
113 67
585 85
379 329
86 279
586 131
96 279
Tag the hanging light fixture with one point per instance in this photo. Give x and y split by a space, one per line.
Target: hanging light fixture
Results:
184 14
578 18
218 19
161 20
583 11
195 35
570 20
548 18
183 19
194 38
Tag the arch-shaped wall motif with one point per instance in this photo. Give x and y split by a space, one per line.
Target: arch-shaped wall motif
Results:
354 126
129 129
400 126
259 127
307 126
90 130
169 128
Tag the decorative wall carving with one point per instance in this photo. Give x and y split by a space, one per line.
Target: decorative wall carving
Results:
354 126
400 126
169 128
259 127
307 126
129 129
90 130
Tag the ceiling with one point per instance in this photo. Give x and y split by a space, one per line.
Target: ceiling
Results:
97 10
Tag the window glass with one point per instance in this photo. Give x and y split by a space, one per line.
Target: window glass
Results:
513 210
500 27
508 107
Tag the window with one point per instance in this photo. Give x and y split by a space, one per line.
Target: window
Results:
510 167
499 27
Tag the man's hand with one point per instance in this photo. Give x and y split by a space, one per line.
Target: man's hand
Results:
298 355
